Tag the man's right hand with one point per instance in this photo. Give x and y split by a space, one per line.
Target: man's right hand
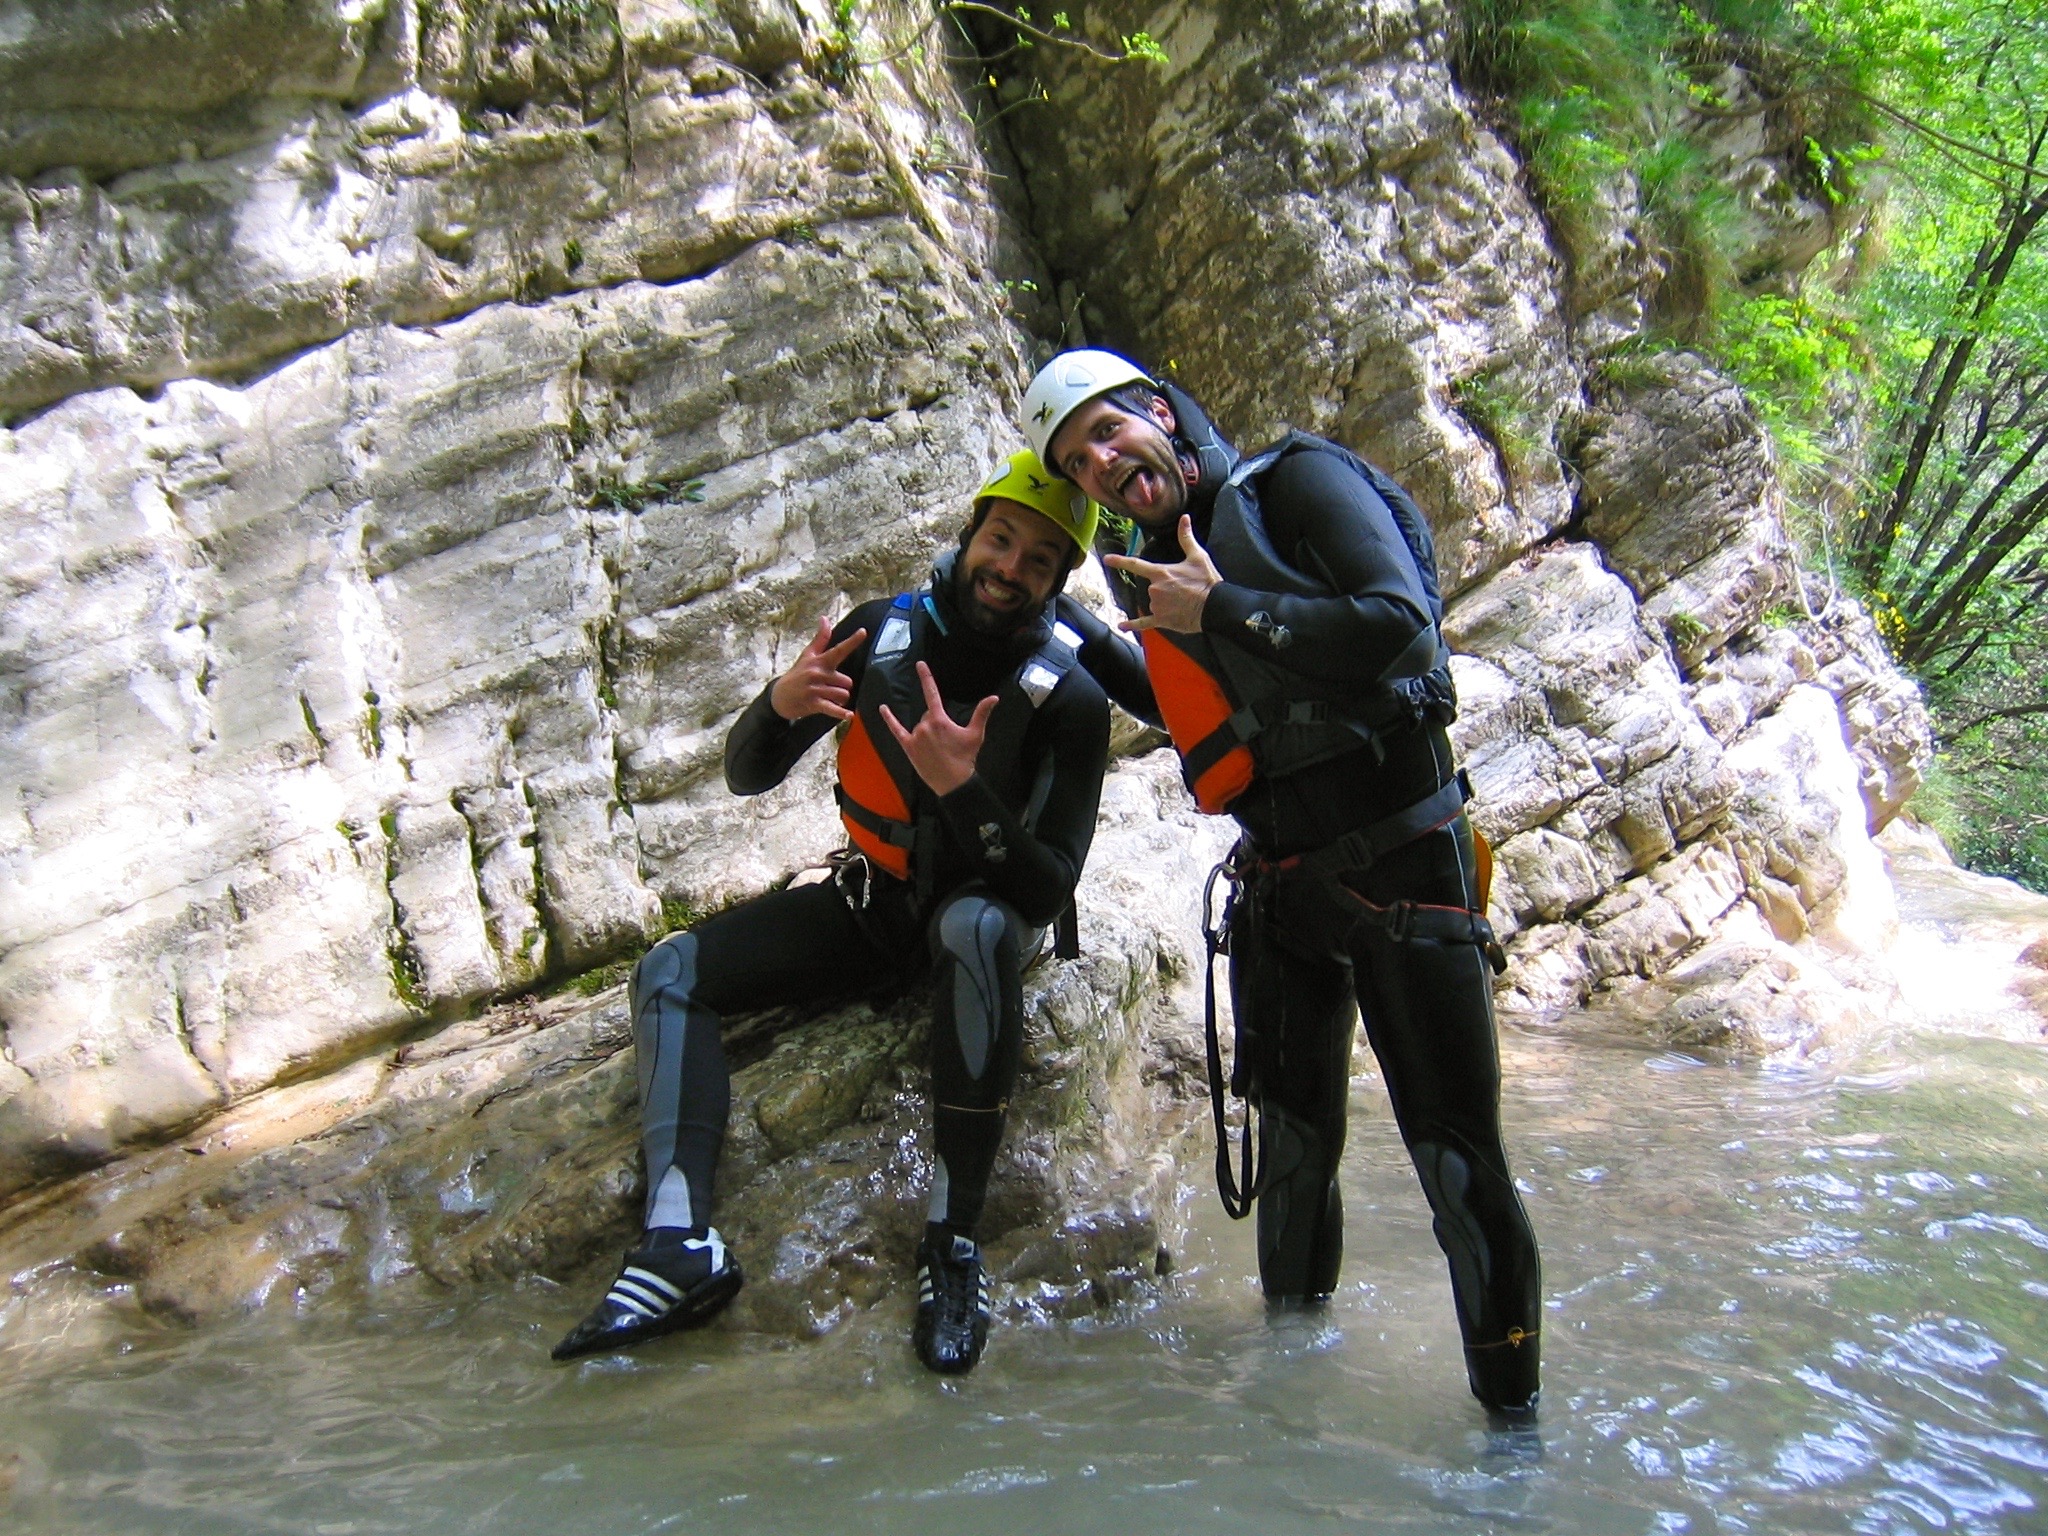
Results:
815 685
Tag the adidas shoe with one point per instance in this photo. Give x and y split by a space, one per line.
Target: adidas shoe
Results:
663 1286
952 1303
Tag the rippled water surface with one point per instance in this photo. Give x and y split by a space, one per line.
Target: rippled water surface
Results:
1781 1299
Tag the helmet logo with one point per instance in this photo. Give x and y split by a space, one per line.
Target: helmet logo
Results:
1045 410
1038 484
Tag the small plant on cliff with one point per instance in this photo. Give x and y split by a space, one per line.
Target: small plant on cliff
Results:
1685 630
1503 413
1621 107
633 495
1024 32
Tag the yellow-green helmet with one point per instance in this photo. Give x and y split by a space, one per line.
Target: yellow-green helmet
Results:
1021 478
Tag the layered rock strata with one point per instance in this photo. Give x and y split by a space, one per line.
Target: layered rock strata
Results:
431 422
1305 219
598 360
509 1145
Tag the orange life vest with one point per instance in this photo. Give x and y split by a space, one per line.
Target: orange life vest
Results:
1234 708
885 806
1197 712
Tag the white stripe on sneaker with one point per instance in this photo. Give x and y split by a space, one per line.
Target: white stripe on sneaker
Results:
649 1278
625 1290
633 1304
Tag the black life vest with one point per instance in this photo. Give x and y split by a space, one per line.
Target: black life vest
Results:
1235 714
890 813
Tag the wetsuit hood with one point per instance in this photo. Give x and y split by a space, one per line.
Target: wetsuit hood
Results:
1196 437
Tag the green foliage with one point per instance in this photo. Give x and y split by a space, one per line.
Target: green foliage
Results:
576 15
407 979
1950 540
1686 631
633 495
1504 413
1145 48
372 730
1610 102
839 53
604 977
1788 352
1904 374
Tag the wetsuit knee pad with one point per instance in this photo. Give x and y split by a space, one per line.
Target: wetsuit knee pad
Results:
1447 1176
659 996
1485 1238
980 943
1301 1213
669 967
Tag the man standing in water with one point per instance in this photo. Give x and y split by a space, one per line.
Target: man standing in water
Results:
969 772
1289 614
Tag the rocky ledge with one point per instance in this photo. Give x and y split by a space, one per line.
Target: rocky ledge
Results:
508 1145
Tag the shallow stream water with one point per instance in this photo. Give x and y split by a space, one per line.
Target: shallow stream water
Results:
1805 1298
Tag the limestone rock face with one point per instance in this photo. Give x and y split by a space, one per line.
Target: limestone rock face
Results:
1575 729
1301 217
428 424
1883 714
1681 491
396 677
510 1145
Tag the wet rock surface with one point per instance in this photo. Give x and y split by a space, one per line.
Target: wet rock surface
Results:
428 428
509 1145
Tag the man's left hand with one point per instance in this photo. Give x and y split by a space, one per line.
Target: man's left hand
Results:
1175 593
941 749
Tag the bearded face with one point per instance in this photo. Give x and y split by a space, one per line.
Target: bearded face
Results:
1010 568
1124 460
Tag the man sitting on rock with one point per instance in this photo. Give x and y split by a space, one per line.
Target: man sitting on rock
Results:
970 766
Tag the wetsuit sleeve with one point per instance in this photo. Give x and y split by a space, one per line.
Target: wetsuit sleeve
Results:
1035 870
1327 521
1113 661
762 747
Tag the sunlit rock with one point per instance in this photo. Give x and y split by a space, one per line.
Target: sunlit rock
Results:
510 1144
428 425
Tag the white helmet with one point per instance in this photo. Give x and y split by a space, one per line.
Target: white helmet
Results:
1066 383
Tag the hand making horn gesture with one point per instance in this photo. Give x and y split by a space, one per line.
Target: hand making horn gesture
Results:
815 685
941 749
1176 592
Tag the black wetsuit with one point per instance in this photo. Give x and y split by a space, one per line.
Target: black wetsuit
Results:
998 884
1300 953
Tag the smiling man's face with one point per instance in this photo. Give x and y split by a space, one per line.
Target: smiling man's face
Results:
1011 567
1125 461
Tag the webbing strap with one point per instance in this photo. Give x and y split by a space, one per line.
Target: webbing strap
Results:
1361 849
1238 1190
1233 733
1406 920
1243 727
897 834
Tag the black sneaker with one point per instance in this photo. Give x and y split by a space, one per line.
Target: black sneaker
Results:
663 1286
952 1303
